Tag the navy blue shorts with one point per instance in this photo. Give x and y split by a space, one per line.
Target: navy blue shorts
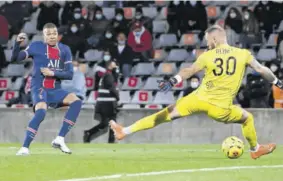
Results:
52 97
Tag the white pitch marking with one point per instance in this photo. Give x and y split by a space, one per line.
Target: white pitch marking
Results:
106 177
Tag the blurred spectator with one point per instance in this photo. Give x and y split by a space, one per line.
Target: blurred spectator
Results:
49 13
24 92
101 69
232 37
107 41
78 84
4 31
175 16
274 66
277 96
68 11
264 12
194 84
234 20
99 25
123 54
73 39
119 23
140 17
137 3
258 90
251 34
140 41
3 62
195 17
15 12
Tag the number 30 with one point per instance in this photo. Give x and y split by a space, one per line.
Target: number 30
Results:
219 64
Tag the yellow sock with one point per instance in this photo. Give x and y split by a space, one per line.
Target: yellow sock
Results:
150 121
249 132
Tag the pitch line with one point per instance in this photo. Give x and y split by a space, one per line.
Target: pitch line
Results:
116 176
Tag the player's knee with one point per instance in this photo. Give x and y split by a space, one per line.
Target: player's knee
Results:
40 105
71 98
247 117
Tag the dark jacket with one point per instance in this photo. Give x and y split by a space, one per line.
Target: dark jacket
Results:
125 57
107 91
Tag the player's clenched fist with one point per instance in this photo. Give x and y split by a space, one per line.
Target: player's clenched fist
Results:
47 72
21 39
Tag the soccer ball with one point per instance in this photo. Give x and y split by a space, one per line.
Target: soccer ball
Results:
233 147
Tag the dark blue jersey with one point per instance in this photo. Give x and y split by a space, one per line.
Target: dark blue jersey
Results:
57 58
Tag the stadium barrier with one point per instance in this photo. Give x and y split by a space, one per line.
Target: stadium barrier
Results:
197 129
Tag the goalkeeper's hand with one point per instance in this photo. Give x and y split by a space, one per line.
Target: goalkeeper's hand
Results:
166 85
279 84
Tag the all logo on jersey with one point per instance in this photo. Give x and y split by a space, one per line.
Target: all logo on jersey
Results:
53 54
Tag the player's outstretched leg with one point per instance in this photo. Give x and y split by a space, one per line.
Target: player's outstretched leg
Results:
32 128
69 121
249 133
148 122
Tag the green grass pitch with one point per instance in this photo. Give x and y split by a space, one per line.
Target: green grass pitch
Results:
140 162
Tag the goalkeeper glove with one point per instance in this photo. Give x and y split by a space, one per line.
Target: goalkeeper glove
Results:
166 85
278 83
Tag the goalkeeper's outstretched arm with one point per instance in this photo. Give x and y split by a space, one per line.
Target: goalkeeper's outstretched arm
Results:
266 73
187 72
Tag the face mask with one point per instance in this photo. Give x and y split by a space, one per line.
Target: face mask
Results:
193 3
233 15
74 29
176 2
108 35
106 58
138 16
75 69
77 15
246 16
121 42
273 68
119 17
98 16
194 84
138 33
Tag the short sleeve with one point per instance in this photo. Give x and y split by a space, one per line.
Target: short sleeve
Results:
31 49
201 61
249 56
68 55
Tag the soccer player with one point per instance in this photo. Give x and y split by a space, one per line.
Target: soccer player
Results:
224 70
52 62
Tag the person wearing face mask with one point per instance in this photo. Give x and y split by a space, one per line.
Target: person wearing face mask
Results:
251 34
119 22
69 10
234 20
123 54
78 84
194 84
107 41
139 16
106 105
140 41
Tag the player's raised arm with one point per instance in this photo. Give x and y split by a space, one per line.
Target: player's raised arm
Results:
184 74
67 73
17 53
266 73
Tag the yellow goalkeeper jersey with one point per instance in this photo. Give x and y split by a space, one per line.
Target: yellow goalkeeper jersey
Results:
224 70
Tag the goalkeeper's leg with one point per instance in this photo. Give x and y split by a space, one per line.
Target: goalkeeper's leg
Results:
249 133
165 115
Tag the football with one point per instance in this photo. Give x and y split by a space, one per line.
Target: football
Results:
233 147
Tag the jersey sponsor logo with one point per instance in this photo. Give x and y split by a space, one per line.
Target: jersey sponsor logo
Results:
55 64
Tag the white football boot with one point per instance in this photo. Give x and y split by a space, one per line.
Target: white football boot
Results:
23 152
59 143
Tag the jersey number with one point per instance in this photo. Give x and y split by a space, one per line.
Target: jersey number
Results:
230 66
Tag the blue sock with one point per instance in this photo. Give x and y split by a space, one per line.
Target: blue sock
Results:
33 126
70 117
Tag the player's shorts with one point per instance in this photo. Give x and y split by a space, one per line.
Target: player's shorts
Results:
191 104
53 97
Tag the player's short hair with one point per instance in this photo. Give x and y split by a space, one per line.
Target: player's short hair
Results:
49 25
214 28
